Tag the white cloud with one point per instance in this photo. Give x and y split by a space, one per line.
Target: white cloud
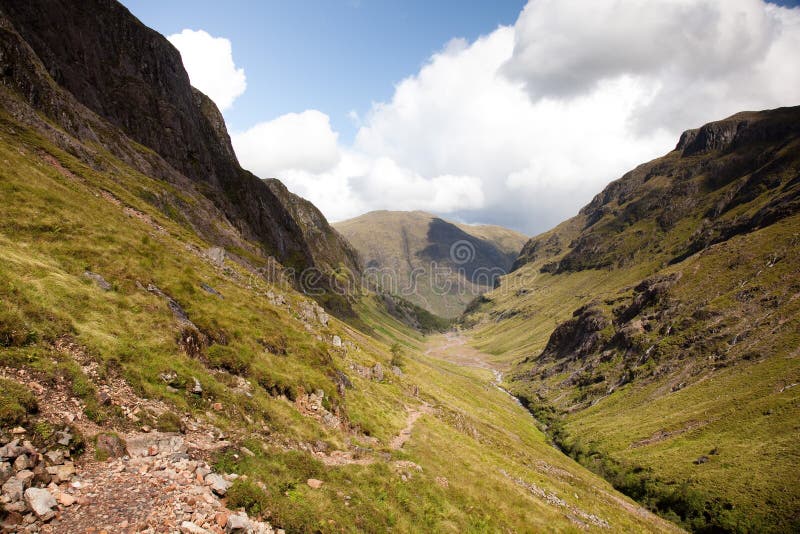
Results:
523 126
295 141
209 62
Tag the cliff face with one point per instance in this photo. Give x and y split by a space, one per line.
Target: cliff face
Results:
132 77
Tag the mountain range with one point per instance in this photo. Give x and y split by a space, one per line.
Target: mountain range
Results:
187 347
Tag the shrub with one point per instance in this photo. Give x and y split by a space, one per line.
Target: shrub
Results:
245 494
228 358
16 403
169 422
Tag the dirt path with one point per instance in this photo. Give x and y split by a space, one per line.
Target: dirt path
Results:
413 415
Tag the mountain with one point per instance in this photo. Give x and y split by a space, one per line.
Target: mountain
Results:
103 77
655 334
436 264
160 369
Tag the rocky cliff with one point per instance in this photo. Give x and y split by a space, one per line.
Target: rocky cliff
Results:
68 58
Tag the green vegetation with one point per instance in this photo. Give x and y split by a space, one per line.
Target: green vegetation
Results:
679 387
257 348
16 403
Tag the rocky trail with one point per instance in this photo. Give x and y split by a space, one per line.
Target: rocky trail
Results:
135 480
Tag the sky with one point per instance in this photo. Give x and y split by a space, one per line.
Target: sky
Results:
498 112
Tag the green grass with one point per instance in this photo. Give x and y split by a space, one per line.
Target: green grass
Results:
710 367
255 357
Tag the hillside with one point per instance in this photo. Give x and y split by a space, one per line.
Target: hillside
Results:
159 369
436 264
106 79
655 334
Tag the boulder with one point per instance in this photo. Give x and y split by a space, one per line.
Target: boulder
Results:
41 502
22 462
218 484
13 489
98 280
237 523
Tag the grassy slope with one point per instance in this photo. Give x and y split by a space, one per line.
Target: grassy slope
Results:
719 380
57 222
393 240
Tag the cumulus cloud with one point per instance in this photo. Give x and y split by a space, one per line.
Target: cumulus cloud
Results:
209 62
524 125
295 141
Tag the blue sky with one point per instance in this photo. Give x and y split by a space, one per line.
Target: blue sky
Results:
331 55
503 112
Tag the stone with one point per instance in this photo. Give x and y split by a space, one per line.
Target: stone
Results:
197 389
397 371
62 473
65 499
337 341
22 462
18 431
64 437
313 483
98 280
377 372
104 398
218 484
26 477
237 523
187 527
217 406
55 457
41 502
216 255
5 472
12 489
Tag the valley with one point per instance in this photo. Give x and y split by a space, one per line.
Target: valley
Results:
188 347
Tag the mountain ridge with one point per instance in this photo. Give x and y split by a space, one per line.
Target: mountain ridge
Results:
410 249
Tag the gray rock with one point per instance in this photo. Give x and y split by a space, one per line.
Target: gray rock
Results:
41 502
197 389
377 372
208 289
337 341
25 477
216 255
55 457
97 279
237 523
218 484
64 437
13 489
397 371
11 450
